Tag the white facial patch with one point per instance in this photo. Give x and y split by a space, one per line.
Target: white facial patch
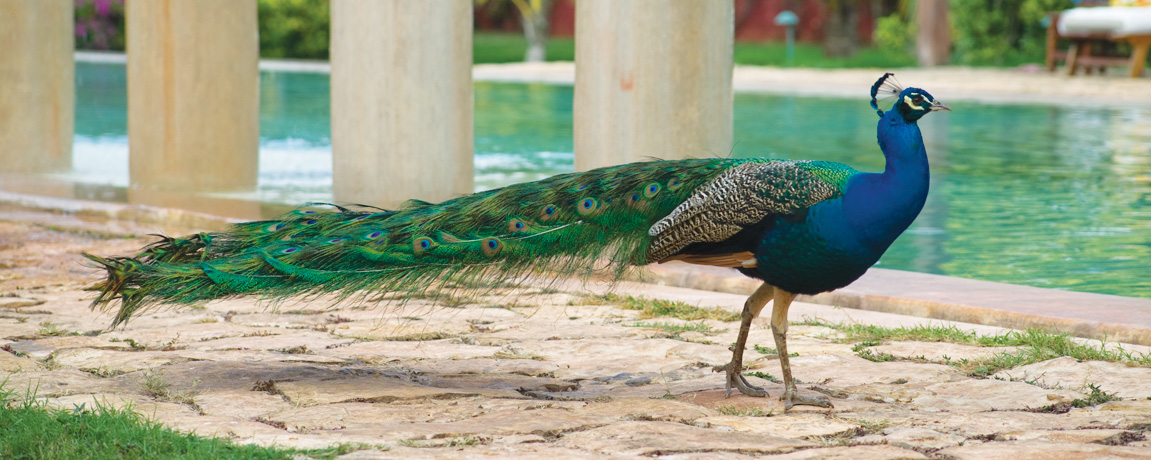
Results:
907 99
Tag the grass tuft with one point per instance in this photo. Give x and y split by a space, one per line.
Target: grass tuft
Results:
511 352
49 329
1034 345
763 375
1094 397
772 351
655 308
156 386
744 411
676 329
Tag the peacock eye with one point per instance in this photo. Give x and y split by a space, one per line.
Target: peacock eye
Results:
917 99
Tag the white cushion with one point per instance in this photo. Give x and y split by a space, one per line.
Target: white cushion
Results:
1114 20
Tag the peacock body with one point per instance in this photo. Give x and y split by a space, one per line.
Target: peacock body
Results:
803 227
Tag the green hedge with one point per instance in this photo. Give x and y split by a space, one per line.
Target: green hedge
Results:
296 29
1001 32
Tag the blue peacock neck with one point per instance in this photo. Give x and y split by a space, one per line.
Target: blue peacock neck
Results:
880 206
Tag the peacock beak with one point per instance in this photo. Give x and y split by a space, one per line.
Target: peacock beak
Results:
936 105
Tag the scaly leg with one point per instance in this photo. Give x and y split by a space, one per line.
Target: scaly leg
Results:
791 396
734 369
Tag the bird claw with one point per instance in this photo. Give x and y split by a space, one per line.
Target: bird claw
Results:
792 398
737 380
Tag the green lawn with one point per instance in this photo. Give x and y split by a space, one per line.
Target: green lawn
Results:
30 430
498 48
810 55
508 47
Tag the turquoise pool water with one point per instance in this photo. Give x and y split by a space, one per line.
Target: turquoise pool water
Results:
1048 196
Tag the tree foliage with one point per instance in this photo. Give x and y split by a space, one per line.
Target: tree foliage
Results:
99 25
1001 32
296 29
894 33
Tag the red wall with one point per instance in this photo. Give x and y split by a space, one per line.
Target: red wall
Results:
754 20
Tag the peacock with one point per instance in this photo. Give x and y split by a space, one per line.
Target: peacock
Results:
802 227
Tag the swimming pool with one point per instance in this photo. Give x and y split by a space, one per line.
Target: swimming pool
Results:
1048 196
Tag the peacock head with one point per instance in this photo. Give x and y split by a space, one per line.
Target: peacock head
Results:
911 103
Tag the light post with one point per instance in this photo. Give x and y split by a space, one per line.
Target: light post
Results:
788 19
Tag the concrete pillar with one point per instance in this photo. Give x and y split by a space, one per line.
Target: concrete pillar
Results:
193 96
933 44
401 100
653 79
37 88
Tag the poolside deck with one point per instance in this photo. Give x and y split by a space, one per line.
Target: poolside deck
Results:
986 85
556 373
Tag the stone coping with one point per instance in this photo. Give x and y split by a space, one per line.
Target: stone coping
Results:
1088 315
1098 316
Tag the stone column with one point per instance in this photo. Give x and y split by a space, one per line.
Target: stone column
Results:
193 96
933 44
653 79
401 100
37 88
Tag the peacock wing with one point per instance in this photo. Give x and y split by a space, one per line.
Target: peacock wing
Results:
741 196
567 224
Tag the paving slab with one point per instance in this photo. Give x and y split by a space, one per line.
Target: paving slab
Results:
853 453
661 438
1027 450
11 363
1114 378
374 388
796 426
240 405
43 348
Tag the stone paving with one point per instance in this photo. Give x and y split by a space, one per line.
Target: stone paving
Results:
530 373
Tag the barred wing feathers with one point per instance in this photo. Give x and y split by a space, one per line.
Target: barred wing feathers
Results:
743 195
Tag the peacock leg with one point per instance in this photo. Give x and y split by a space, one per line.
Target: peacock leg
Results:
734 369
791 396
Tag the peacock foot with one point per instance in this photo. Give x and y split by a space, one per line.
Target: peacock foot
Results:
736 380
793 398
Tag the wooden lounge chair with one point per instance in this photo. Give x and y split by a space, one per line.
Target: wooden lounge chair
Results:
1087 28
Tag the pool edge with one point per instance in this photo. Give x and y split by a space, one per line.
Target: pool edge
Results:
948 298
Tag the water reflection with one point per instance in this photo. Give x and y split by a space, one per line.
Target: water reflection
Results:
1045 196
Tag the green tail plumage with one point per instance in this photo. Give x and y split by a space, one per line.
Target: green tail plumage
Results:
563 224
